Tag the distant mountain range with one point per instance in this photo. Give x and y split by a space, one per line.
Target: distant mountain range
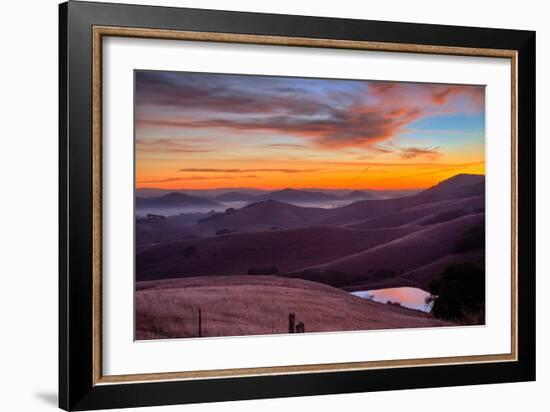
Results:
235 197
404 241
457 182
274 212
297 196
175 199
285 195
244 194
358 195
263 215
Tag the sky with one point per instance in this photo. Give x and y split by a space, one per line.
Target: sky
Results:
206 131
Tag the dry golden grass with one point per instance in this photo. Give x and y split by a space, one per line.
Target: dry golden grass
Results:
258 305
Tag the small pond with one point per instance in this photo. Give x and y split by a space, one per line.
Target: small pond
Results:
412 298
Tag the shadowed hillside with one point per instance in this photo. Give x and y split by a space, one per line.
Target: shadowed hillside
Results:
393 242
358 195
265 215
297 196
235 254
459 186
426 213
404 254
173 200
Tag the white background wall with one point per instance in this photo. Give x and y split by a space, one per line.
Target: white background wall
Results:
28 203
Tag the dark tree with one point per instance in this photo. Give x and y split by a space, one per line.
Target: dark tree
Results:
459 294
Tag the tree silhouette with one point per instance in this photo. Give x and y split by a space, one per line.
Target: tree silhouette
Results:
459 294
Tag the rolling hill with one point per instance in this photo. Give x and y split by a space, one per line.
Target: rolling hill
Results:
426 213
403 241
266 215
297 196
175 199
456 187
358 195
164 229
235 197
404 254
236 254
257 305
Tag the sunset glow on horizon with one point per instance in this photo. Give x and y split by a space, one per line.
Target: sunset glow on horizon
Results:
209 131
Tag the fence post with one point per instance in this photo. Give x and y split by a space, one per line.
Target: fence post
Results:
200 323
291 322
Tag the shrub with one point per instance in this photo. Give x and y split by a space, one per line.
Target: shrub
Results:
459 294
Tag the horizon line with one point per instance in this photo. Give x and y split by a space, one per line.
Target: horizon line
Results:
281 188
305 188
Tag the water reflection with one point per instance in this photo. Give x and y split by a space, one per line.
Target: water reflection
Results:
412 298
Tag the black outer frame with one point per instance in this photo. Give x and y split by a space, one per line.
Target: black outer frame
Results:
76 389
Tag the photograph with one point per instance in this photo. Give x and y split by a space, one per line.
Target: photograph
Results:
266 204
278 205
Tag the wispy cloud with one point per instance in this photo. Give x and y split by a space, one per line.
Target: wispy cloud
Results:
170 145
414 152
194 178
285 146
217 130
332 114
211 170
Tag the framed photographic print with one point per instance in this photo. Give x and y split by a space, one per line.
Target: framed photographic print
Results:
257 205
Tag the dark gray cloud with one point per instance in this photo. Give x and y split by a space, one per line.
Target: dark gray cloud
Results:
331 113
